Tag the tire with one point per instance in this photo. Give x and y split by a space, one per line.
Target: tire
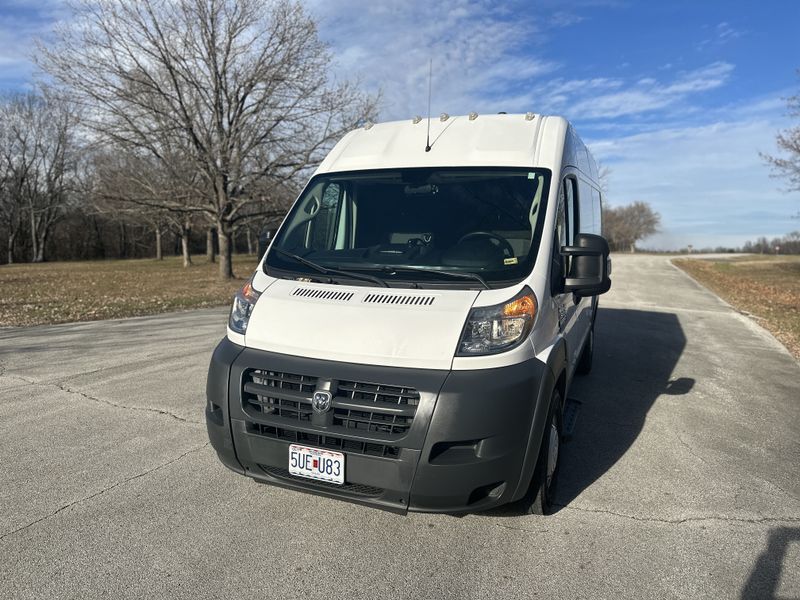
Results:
541 493
584 366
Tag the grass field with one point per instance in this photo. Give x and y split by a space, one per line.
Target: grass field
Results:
61 292
766 287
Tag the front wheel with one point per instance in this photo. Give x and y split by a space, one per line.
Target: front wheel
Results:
541 494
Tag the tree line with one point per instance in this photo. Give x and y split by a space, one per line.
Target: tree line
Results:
787 244
189 121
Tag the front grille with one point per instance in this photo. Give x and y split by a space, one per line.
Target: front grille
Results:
352 488
358 408
280 394
280 380
387 394
324 441
369 416
373 422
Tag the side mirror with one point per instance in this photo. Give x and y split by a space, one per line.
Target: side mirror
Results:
590 266
263 241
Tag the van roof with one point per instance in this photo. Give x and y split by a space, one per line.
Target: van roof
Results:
509 140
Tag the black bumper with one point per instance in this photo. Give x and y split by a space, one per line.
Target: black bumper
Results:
468 440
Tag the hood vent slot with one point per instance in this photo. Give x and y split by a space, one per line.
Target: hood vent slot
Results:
398 300
321 294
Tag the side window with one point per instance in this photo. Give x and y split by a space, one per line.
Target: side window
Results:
567 221
585 207
597 210
573 214
561 221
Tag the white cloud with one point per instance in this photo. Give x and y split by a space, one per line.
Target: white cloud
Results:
649 94
475 47
565 19
725 32
707 182
722 34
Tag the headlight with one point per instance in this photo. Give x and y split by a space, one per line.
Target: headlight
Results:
243 303
493 329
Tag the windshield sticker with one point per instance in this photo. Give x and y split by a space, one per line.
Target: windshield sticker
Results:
531 175
510 261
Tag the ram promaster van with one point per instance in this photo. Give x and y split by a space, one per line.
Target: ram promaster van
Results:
409 338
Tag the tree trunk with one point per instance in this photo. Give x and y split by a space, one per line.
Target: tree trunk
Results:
34 237
159 251
225 257
187 257
11 237
185 231
210 244
123 242
40 247
99 248
249 241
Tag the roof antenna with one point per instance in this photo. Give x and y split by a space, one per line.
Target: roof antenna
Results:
430 77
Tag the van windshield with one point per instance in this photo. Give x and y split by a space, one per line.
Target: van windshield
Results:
455 227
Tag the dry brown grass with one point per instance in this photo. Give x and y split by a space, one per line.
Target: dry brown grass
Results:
61 292
767 287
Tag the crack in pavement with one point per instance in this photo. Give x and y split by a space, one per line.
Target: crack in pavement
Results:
681 521
63 387
704 461
521 529
103 491
690 449
142 364
25 381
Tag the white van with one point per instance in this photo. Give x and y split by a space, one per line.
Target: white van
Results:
409 338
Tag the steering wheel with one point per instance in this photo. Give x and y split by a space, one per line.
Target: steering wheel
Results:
497 240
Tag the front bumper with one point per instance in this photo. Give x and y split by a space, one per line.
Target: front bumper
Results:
456 440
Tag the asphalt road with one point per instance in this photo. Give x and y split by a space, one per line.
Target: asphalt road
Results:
682 480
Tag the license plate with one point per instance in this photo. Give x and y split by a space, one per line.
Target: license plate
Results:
315 463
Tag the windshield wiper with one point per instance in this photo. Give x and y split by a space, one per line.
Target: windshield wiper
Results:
460 274
328 271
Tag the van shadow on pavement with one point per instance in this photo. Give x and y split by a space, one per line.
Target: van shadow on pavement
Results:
635 355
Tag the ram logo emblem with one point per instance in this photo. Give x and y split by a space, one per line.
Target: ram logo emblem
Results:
321 401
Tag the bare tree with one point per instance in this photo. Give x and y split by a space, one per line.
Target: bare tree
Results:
130 185
788 141
623 226
13 169
39 153
241 84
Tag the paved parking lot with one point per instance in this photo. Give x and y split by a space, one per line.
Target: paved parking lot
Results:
682 480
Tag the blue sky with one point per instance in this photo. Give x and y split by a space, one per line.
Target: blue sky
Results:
677 98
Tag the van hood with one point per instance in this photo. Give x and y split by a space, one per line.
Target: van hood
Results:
376 326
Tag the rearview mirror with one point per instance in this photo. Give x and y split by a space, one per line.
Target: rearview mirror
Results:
264 240
590 266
